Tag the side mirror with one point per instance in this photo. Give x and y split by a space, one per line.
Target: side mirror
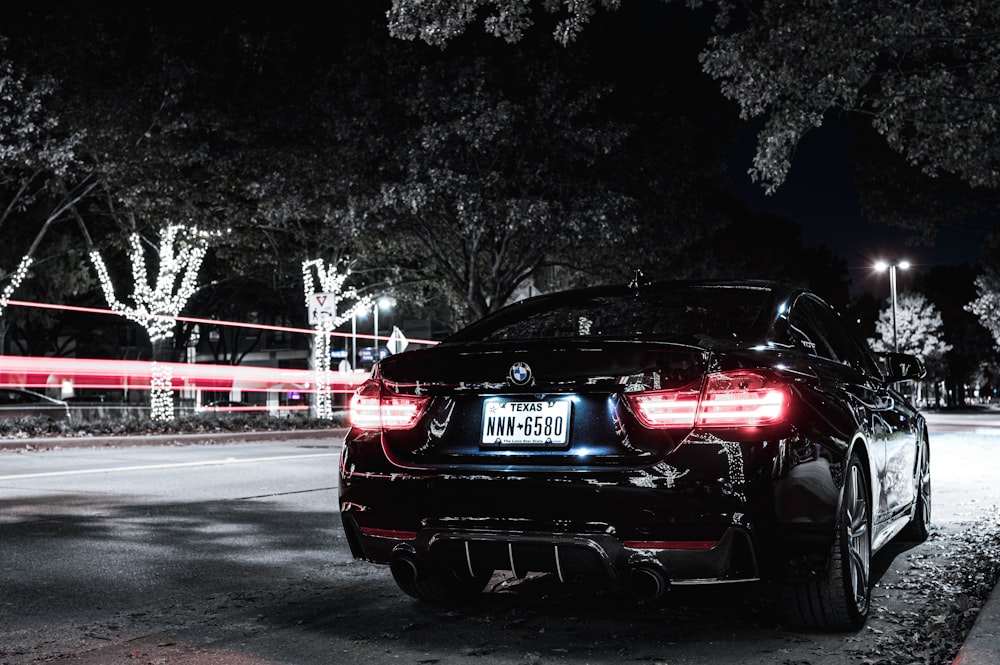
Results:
903 367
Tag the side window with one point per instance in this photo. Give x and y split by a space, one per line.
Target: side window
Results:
807 329
819 329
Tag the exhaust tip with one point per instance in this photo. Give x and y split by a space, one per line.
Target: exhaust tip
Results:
647 582
405 568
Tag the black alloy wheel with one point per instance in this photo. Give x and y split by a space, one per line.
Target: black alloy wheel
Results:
920 524
840 597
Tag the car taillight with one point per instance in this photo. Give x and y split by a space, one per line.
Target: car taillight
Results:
374 406
742 398
738 398
666 408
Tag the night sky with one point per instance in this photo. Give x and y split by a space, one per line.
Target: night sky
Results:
821 196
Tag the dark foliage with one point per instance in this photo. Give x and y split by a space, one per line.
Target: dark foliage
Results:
33 427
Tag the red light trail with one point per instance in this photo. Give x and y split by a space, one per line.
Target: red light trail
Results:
40 372
107 374
210 322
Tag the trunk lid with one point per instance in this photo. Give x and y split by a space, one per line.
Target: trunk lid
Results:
536 406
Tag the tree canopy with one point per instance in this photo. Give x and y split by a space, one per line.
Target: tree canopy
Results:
923 74
483 177
469 172
460 174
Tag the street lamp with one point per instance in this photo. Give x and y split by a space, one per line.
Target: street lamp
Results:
882 266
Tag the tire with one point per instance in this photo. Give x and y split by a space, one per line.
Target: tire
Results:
444 586
918 528
839 598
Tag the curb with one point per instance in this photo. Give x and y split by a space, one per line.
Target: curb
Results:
180 439
982 644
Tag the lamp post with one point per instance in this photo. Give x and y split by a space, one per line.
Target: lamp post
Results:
882 266
354 341
381 303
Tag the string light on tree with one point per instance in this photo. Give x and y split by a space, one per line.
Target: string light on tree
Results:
331 285
161 406
182 250
15 281
155 306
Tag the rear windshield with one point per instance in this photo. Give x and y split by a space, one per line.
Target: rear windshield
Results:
705 315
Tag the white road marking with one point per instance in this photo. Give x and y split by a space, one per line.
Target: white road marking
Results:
175 465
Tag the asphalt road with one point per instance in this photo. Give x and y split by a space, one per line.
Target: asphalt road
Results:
232 554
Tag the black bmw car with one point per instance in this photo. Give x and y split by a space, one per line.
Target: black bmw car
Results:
673 433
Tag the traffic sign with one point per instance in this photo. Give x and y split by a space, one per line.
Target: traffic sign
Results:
322 307
368 353
397 341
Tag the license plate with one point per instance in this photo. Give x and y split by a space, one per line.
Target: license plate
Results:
513 423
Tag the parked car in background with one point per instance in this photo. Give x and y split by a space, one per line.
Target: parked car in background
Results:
22 403
233 407
676 433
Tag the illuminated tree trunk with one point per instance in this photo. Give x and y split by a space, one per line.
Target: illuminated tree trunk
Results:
321 361
161 393
325 316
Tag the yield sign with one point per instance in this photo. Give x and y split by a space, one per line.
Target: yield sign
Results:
397 341
322 307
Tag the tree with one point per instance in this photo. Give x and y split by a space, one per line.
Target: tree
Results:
327 282
59 275
439 21
39 179
479 172
924 74
266 126
986 301
987 304
918 332
918 328
894 193
973 353
215 122
155 306
762 246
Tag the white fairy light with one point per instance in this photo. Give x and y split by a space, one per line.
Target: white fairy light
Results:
182 250
15 281
332 282
161 392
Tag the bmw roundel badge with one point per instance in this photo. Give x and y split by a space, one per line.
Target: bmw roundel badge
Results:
519 374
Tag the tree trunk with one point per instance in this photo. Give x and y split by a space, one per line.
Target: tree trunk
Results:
161 393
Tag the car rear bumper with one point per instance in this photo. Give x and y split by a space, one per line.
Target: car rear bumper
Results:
722 511
631 565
